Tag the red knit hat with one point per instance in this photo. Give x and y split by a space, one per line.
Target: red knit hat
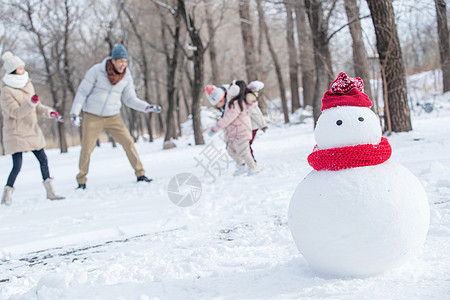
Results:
346 91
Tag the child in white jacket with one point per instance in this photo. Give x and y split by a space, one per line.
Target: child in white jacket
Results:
258 121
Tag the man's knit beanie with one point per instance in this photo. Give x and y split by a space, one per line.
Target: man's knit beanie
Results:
119 52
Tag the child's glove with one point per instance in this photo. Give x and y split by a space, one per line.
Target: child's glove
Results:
75 119
34 99
213 130
255 86
57 116
153 108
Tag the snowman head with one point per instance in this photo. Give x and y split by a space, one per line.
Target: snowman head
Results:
346 118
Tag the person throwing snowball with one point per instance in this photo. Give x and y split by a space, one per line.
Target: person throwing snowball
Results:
99 97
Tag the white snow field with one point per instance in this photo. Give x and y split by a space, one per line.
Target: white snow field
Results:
120 239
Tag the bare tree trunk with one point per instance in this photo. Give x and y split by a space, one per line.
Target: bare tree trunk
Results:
56 55
69 83
306 54
48 69
322 57
143 58
391 63
360 62
177 110
247 39
171 64
198 60
182 87
1 135
444 46
162 127
68 69
259 67
148 124
62 137
293 66
196 99
132 122
212 50
275 62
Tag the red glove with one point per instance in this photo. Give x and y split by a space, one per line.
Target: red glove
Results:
35 99
57 116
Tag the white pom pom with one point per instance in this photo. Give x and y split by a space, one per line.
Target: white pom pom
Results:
255 86
7 55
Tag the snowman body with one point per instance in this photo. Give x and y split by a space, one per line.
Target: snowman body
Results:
357 221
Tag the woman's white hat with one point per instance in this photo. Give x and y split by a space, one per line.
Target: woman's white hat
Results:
11 62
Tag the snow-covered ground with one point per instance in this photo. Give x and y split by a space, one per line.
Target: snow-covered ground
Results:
120 239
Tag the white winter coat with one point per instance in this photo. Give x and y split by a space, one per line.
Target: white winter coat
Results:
258 121
96 95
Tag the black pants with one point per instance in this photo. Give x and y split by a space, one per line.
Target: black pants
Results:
17 165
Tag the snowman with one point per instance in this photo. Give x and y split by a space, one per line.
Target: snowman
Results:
357 213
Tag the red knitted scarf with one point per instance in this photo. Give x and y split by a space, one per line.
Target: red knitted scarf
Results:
350 157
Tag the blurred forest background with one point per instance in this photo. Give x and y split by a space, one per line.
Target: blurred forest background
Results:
176 47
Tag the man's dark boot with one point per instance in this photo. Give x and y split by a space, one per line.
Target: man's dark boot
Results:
81 186
144 179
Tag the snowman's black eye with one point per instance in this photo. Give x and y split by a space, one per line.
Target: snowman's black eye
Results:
339 122
361 119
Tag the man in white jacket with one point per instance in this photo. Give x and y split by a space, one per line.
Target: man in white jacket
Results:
100 96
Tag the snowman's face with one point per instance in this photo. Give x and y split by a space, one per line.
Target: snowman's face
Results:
346 126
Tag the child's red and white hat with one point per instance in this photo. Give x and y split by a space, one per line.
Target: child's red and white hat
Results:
214 94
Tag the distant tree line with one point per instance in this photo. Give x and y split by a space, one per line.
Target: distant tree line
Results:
176 47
